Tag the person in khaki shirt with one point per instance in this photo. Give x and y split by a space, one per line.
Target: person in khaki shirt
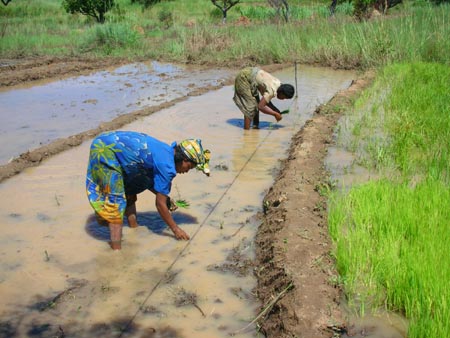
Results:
252 82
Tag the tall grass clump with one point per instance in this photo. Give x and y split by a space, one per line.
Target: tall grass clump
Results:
392 234
257 12
419 34
111 39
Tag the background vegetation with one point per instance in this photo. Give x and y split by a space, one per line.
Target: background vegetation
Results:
192 31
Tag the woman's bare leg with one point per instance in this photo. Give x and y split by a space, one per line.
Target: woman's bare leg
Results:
115 230
247 122
256 120
130 211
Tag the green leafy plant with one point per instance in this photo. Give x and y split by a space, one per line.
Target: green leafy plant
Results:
182 204
93 8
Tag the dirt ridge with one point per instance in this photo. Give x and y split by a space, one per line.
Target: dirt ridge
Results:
293 245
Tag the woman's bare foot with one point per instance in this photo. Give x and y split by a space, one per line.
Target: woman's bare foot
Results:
115 245
132 221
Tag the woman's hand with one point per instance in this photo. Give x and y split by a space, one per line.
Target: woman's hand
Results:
171 205
163 210
180 234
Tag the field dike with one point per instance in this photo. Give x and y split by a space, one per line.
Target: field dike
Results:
295 266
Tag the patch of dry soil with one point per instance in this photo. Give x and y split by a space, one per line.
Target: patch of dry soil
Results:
294 268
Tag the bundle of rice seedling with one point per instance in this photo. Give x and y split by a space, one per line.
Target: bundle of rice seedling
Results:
182 204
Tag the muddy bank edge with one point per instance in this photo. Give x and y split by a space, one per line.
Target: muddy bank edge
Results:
294 267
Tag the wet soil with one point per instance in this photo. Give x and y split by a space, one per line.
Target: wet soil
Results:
294 262
295 270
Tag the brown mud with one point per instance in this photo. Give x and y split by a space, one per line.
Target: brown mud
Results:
294 262
294 267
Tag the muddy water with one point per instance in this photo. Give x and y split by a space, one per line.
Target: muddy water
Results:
58 276
35 116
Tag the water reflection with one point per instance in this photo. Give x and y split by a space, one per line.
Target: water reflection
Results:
37 115
150 220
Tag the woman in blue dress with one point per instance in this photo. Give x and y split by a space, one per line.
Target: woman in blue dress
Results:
123 164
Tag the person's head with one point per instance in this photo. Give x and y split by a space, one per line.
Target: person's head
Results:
189 154
285 91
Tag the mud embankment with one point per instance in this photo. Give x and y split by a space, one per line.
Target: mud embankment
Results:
296 272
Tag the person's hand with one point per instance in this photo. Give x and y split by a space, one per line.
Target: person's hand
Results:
180 234
278 117
171 205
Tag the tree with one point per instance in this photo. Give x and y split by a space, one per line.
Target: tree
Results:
6 2
93 8
282 7
333 7
226 5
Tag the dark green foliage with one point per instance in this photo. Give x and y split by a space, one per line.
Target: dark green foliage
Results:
361 8
165 17
93 8
146 3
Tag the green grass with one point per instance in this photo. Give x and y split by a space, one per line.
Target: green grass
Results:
392 251
392 234
191 31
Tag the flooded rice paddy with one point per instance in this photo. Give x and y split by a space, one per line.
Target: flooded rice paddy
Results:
345 172
58 277
33 116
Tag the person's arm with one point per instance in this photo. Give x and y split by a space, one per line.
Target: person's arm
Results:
161 205
272 106
266 108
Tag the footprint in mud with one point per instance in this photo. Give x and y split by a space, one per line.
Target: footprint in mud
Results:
43 217
15 215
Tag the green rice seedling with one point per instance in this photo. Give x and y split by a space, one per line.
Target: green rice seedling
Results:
392 234
182 204
390 241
